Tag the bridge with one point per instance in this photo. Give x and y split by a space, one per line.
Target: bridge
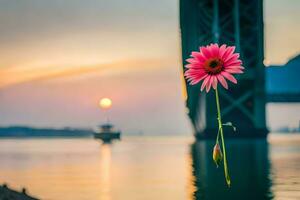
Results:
283 98
282 81
231 22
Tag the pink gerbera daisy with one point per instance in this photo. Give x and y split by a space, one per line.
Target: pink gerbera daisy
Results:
213 64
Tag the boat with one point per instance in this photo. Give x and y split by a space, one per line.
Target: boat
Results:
107 133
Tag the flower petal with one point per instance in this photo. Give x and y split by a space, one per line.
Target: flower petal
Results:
195 66
228 52
222 50
222 81
198 56
214 50
198 79
229 77
215 82
191 60
232 58
208 85
235 62
235 67
206 80
234 71
205 52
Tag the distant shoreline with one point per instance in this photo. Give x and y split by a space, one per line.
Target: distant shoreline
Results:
29 132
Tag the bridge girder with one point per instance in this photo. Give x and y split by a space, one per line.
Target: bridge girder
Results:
231 22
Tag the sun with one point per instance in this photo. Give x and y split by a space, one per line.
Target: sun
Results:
105 103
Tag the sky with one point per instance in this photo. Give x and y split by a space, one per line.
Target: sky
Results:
58 58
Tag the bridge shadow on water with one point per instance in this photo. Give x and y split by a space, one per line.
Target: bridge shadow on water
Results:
249 167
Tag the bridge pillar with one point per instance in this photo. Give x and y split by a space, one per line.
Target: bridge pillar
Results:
231 22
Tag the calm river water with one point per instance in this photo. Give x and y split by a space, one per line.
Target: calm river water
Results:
150 168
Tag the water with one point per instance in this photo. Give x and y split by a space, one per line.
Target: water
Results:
151 168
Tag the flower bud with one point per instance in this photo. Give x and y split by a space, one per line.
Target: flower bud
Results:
217 154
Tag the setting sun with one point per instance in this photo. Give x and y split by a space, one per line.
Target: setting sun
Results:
105 103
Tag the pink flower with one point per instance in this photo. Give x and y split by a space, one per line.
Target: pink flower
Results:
213 64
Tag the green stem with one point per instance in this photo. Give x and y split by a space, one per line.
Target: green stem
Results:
218 135
227 177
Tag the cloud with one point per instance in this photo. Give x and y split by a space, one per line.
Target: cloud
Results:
19 75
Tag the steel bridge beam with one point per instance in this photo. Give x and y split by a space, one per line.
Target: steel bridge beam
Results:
231 22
